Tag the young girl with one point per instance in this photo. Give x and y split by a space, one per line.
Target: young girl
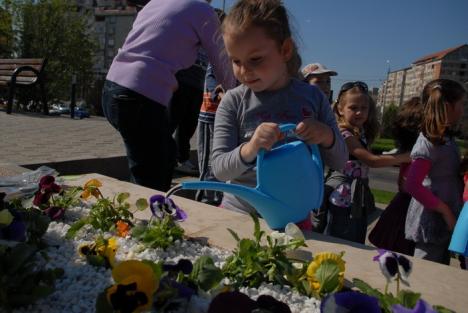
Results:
351 198
433 178
389 232
265 61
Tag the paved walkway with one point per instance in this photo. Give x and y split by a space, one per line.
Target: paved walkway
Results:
35 139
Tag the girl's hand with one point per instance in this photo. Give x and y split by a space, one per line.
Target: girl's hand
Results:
315 132
447 214
404 157
219 92
265 136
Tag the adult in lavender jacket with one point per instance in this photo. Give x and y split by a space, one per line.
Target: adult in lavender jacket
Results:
165 38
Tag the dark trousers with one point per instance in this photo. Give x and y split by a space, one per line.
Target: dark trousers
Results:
205 144
144 127
183 112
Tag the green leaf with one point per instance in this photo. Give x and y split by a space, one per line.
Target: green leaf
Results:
156 267
96 260
121 197
19 256
442 309
205 273
366 288
71 233
328 276
408 298
141 204
234 234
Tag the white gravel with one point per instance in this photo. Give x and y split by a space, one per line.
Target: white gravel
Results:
76 291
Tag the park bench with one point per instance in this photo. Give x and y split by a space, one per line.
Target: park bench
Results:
18 74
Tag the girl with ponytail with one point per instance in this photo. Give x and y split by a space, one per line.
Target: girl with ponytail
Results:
433 179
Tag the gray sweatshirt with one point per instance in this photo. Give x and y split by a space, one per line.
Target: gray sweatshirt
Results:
241 111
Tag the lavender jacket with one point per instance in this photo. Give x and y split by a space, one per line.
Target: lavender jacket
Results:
165 38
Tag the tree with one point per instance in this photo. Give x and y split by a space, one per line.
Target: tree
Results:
388 119
6 30
54 29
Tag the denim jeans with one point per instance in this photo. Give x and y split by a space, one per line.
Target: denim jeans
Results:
144 127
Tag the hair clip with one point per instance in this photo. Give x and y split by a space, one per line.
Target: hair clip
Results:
437 86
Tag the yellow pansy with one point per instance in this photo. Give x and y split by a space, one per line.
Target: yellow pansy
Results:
134 288
105 248
91 187
325 273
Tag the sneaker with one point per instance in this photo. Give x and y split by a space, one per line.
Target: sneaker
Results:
187 167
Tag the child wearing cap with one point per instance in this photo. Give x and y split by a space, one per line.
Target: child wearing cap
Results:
318 75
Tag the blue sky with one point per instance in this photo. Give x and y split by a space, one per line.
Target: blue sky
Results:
356 38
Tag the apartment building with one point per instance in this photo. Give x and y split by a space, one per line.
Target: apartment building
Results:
403 84
110 22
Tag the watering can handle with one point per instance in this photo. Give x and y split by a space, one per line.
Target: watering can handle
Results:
284 128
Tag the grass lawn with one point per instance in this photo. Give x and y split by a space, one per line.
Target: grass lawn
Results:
382 196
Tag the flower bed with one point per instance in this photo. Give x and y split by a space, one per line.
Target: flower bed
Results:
91 270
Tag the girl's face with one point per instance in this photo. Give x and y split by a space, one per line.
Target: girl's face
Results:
257 60
354 109
455 111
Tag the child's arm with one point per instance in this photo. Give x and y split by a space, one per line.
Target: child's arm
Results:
226 162
372 160
417 172
212 42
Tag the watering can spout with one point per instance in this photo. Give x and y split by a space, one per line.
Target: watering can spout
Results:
264 203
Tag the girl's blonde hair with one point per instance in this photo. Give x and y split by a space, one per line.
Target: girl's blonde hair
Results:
436 95
271 16
371 125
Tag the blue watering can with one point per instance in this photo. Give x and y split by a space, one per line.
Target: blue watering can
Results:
289 183
459 242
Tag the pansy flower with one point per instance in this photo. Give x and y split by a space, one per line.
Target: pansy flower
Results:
420 307
47 187
184 266
12 226
100 253
91 188
325 273
161 206
54 212
393 264
350 301
135 284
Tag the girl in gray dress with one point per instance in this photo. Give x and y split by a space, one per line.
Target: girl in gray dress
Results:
433 179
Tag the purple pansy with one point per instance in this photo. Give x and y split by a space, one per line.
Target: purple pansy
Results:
16 231
161 206
420 307
350 301
392 264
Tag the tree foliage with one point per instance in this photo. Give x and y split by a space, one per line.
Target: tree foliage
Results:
6 30
54 29
388 119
